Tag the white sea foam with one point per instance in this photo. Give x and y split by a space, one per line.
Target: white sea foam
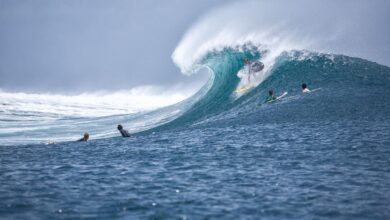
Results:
353 28
37 118
93 104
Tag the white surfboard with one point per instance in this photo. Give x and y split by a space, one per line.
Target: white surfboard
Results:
313 90
277 98
243 89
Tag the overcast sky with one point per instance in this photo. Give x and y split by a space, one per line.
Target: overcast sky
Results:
84 45
90 45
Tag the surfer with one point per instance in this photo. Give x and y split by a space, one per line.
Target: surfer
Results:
271 96
123 132
85 138
304 88
248 63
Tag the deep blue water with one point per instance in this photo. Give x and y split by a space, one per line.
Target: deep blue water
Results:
323 155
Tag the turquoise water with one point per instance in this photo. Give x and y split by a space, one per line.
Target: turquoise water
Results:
322 155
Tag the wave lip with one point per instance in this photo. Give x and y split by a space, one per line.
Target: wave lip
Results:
279 26
219 41
271 31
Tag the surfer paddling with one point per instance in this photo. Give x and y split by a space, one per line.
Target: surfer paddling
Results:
270 97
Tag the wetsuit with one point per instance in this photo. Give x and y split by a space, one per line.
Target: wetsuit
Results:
270 98
124 133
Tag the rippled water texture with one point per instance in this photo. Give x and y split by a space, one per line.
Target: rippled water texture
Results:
333 169
272 171
323 155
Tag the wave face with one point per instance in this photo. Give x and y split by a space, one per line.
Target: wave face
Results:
223 67
216 154
224 156
348 87
293 48
296 46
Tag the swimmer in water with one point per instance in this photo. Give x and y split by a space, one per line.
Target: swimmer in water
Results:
123 132
85 138
304 88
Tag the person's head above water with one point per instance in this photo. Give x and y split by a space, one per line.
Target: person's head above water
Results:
86 136
304 86
123 132
271 92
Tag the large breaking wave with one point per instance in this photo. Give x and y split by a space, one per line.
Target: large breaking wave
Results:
293 48
282 36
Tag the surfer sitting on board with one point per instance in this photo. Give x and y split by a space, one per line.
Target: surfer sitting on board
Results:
123 132
271 96
304 88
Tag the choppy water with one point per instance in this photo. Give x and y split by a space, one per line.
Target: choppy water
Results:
273 171
323 155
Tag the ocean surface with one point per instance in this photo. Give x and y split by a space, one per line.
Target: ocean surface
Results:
216 155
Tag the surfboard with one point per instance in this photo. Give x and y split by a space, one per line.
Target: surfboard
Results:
243 89
257 66
277 98
313 90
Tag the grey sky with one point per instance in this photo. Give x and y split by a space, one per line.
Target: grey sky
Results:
83 45
88 45
356 28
